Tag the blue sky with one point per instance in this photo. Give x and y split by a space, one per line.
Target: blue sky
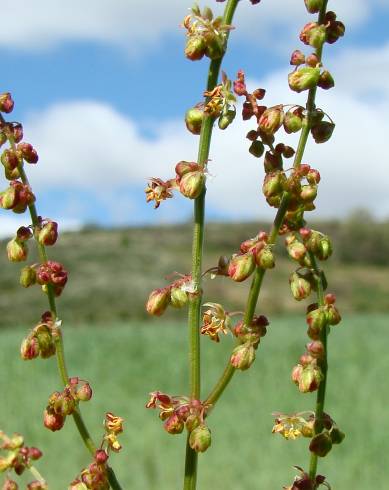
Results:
102 86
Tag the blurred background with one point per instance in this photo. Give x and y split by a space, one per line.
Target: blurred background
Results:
102 89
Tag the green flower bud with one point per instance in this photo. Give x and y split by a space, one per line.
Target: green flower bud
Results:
271 120
214 46
243 356
313 6
273 184
308 193
45 340
333 315
27 276
321 444
324 249
8 198
200 438
194 119
292 122
226 119
304 78
317 318
300 287
322 131
178 297
195 48
310 379
297 251
241 267
192 184
297 58
265 258
48 234
17 250
84 392
158 301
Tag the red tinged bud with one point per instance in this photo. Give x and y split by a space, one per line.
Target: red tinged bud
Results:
257 149
28 153
178 297
316 349
265 258
271 120
313 34
200 438
310 379
29 348
243 356
322 131
10 485
194 119
325 80
183 168
241 267
312 60
333 315
101 457
239 84
300 287
10 159
48 234
84 392
174 424
297 58
6 103
53 421
34 453
195 48
37 485
158 301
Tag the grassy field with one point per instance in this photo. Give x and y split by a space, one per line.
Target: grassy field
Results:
125 361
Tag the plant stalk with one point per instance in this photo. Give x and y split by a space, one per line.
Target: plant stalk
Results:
194 312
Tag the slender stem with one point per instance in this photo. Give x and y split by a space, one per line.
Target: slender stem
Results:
194 312
321 394
82 429
36 474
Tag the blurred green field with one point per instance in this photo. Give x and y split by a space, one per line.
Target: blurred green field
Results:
124 362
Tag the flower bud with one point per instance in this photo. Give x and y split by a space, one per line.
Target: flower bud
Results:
9 159
313 176
34 453
297 58
300 287
324 249
17 250
321 444
313 6
9 198
6 103
313 34
292 122
271 120
28 152
184 167
53 421
200 438
243 356
310 379
77 485
326 80
194 119
27 276
316 349
178 297
29 348
241 267
215 46
10 485
195 48
273 184
226 119
308 193
304 78
333 315
174 424
317 319
37 485
158 301
265 258
312 60
48 234
192 184
257 148
296 251
46 344
84 392
322 131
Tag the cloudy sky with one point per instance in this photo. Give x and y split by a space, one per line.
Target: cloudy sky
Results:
102 87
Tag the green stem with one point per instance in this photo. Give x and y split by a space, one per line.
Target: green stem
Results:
35 473
82 429
321 393
194 312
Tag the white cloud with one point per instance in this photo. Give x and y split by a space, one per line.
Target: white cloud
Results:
42 24
88 145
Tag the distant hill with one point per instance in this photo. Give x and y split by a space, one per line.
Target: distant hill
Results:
111 272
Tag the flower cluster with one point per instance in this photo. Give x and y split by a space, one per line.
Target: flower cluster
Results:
293 426
206 34
248 337
41 340
178 412
113 425
176 295
64 403
253 252
215 321
95 476
14 455
304 482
